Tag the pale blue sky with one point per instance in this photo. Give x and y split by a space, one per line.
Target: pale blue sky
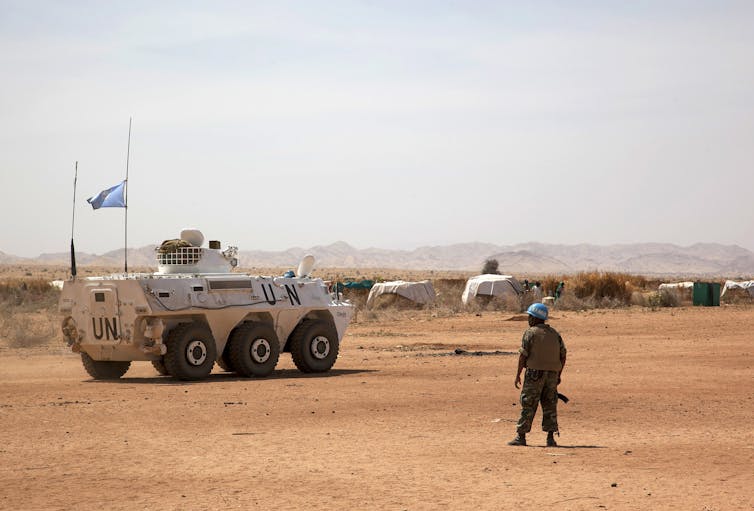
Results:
384 124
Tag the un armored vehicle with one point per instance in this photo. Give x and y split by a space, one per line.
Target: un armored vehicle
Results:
194 311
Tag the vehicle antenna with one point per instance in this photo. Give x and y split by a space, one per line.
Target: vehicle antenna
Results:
73 219
125 192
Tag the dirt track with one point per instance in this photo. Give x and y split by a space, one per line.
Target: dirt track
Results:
660 418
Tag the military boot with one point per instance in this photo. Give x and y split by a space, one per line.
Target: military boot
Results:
519 440
551 439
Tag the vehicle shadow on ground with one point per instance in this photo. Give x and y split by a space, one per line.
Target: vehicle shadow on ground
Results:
572 447
281 374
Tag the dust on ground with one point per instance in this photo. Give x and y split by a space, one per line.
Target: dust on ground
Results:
659 418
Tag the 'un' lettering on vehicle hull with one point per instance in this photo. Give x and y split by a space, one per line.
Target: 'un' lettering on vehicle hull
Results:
271 296
107 329
292 295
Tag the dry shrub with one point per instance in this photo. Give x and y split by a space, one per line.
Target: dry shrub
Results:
527 299
494 303
736 296
550 284
15 291
28 312
28 329
638 281
637 298
508 303
396 301
449 293
357 296
588 290
664 298
569 301
605 287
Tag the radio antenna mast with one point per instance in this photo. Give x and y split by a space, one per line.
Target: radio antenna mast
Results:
73 220
128 156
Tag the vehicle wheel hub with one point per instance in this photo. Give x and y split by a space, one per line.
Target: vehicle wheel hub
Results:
320 347
196 353
260 351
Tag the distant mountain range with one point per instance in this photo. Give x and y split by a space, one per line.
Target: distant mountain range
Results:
701 259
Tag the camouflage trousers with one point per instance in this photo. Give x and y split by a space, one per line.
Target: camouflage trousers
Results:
539 387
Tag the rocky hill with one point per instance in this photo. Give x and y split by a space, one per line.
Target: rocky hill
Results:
526 258
9 259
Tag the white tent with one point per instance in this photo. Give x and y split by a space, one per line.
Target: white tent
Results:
747 285
418 292
677 286
684 291
492 285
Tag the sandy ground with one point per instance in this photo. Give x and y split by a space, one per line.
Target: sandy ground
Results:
660 418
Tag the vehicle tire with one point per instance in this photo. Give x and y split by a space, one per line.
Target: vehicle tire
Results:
104 369
224 361
159 365
314 346
254 349
191 351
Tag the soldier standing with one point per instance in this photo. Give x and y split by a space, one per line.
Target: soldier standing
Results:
559 290
543 354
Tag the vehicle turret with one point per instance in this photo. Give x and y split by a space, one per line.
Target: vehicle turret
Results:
186 255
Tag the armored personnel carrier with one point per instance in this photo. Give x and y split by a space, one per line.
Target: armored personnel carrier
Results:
194 311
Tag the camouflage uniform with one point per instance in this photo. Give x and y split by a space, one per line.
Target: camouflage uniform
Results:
544 349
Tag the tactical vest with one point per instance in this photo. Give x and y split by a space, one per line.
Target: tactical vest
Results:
544 353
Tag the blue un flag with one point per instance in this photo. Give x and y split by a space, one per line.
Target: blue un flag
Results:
111 198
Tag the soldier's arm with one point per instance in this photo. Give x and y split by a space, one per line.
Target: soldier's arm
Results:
521 365
523 355
562 358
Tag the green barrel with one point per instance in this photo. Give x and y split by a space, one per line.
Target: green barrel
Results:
707 294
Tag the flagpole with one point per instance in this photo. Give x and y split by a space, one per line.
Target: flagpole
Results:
73 221
128 156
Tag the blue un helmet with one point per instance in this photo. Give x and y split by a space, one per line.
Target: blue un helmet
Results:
538 310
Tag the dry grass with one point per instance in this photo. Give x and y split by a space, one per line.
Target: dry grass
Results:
449 292
592 290
24 290
549 283
664 298
28 312
496 303
638 298
737 296
28 305
395 301
597 286
358 297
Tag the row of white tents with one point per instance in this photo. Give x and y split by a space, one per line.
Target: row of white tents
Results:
731 290
501 286
731 287
506 286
